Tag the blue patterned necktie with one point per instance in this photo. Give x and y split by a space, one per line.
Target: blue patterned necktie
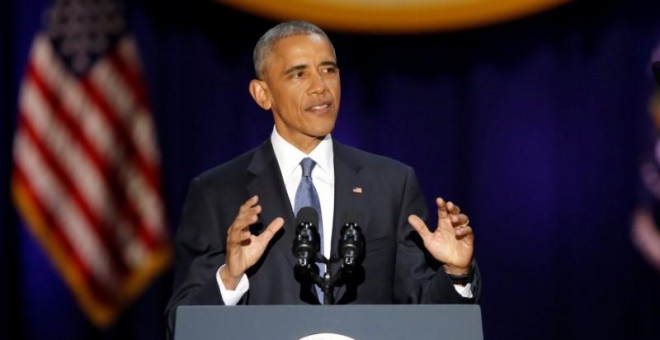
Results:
306 196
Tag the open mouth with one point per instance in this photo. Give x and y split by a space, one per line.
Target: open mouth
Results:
320 107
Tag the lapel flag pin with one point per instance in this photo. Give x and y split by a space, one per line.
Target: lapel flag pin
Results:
357 190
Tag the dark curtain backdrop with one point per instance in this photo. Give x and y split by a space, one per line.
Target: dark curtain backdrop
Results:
535 127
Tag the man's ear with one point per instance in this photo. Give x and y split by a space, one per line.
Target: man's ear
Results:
259 92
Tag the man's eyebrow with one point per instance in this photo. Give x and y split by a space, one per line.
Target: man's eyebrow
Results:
295 68
303 66
329 63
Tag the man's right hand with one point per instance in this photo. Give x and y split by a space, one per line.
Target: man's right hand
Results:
243 248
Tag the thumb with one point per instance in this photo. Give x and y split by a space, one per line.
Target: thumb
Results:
272 229
419 226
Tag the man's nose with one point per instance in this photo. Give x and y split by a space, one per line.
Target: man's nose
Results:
318 84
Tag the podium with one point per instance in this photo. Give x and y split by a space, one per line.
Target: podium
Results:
358 322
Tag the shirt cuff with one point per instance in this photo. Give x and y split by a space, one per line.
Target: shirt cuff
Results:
231 297
465 291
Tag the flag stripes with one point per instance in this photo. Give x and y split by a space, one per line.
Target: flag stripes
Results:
87 175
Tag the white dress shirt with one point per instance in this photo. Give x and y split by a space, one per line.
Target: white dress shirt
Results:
323 176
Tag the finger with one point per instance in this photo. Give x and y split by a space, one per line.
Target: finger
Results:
463 231
250 206
442 208
453 208
459 220
419 226
252 201
247 213
244 221
237 234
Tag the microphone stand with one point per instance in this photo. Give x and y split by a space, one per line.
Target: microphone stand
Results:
329 281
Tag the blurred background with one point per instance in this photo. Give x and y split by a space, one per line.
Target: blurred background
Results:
536 117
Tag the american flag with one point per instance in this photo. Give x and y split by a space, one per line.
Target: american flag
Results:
645 231
86 172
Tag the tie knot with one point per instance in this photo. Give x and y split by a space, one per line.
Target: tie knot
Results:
307 166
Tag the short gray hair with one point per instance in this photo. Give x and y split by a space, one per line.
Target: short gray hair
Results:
283 30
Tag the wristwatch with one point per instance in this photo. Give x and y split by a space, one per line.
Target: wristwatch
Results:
462 280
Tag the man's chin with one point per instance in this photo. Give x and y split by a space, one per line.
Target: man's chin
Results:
321 132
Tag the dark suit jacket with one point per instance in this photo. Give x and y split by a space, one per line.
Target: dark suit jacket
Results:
397 269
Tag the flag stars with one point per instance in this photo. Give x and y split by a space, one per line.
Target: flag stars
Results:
82 30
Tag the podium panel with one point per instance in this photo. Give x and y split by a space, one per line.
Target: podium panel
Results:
358 322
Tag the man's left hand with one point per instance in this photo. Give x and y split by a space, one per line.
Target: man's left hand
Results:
452 242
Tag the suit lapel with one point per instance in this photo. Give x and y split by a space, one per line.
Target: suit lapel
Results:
350 193
269 186
351 196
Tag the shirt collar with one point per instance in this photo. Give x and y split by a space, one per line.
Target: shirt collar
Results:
289 157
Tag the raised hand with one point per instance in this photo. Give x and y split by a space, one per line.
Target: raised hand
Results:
452 242
243 248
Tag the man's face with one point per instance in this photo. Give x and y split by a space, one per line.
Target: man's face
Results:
302 89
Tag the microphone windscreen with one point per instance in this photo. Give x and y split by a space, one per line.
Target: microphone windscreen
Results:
656 71
307 215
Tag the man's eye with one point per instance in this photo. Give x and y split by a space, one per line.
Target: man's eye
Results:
299 74
331 70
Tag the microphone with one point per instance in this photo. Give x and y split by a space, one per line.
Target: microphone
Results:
351 242
655 66
306 243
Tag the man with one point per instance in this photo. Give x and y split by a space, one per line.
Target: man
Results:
234 243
